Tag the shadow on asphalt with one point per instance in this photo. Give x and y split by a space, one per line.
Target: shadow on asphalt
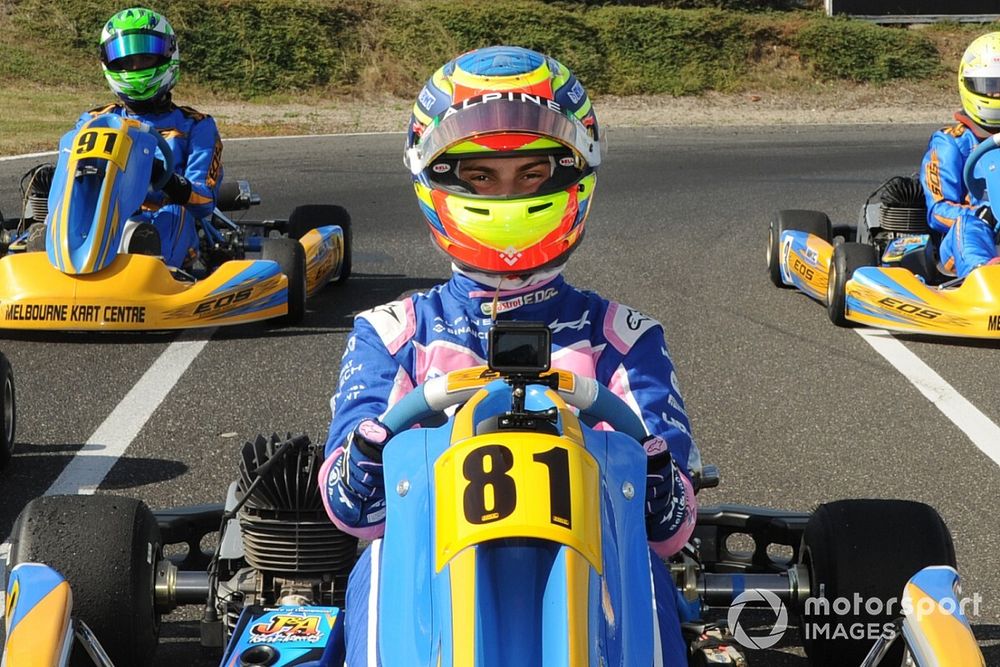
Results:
34 468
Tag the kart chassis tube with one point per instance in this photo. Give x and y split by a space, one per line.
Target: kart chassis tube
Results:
723 574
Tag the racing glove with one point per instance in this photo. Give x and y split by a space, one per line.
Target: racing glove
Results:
356 488
177 188
985 213
666 497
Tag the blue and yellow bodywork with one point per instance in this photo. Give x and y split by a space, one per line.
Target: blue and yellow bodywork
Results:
514 547
83 282
37 617
892 297
935 626
805 262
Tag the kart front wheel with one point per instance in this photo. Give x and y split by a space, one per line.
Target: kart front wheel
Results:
9 411
847 257
816 223
312 216
107 548
291 257
860 554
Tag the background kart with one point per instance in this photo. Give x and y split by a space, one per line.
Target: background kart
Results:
889 274
272 593
247 270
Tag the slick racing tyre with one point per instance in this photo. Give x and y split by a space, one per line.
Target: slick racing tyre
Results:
312 216
107 548
813 222
9 411
864 550
847 257
291 257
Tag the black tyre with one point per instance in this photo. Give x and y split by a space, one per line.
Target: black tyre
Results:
868 549
107 548
847 257
8 430
312 216
816 223
291 257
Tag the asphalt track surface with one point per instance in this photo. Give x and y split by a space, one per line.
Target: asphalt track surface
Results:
794 411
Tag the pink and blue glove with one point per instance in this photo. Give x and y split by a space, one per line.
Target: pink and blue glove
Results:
355 488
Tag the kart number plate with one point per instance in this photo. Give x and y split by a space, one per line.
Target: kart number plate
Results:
105 144
528 485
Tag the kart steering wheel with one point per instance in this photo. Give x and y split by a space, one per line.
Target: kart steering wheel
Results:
169 161
977 186
594 401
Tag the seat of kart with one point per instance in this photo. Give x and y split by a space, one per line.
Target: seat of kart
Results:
926 262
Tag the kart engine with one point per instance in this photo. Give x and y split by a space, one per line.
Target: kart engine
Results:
35 186
903 210
294 553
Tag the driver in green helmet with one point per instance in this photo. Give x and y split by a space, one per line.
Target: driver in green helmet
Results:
141 63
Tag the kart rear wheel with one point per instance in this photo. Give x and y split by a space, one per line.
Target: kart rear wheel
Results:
107 548
9 411
311 216
291 257
847 257
816 223
864 550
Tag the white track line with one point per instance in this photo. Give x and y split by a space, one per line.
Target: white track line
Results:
94 461
980 429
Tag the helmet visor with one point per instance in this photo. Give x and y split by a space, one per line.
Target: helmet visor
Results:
983 85
140 42
481 116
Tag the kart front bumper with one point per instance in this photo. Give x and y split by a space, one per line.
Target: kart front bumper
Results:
136 293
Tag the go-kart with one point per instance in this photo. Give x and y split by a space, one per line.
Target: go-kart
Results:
515 535
890 275
87 280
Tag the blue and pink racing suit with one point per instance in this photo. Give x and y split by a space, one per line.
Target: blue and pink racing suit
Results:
968 240
197 148
399 345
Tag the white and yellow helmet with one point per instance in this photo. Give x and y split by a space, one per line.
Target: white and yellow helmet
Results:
979 80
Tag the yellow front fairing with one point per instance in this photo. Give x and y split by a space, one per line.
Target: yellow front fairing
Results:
134 293
521 485
894 298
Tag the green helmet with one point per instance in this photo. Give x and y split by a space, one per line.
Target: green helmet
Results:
139 55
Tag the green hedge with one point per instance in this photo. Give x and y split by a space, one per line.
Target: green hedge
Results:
842 49
254 47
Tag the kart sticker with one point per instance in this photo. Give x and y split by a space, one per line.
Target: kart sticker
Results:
282 629
35 312
546 489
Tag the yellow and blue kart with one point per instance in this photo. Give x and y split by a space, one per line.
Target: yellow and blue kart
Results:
249 271
514 536
889 276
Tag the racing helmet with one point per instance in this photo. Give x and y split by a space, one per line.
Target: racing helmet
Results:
979 80
504 102
139 55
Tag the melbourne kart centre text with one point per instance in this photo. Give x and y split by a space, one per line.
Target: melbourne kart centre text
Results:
77 313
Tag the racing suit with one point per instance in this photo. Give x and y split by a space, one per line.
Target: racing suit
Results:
399 345
969 241
197 148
